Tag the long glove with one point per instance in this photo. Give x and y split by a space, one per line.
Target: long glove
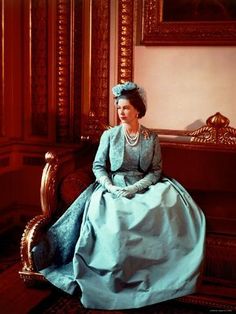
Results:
107 184
142 184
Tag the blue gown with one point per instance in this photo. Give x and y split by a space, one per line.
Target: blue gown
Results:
126 253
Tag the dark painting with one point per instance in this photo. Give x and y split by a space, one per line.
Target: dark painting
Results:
199 10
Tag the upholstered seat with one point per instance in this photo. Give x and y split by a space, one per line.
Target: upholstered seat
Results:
207 170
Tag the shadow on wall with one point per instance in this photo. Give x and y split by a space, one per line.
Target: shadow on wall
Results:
186 139
195 125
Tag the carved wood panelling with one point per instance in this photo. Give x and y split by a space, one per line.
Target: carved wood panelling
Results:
125 40
33 160
69 56
53 77
63 70
39 67
216 131
2 131
100 59
77 68
98 117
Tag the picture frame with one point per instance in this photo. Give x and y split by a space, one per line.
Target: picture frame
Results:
160 27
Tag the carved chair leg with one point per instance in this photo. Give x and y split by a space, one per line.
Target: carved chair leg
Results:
29 239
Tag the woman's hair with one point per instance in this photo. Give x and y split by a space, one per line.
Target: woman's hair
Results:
135 99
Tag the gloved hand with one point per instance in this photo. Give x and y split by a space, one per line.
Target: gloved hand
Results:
113 188
131 190
128 191
107 184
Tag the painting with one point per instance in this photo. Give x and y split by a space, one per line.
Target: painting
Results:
199 10
188 22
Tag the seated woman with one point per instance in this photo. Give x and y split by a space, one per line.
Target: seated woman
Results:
132 238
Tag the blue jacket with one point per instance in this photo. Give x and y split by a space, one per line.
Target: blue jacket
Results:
111 150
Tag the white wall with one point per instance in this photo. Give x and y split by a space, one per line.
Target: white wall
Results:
185 85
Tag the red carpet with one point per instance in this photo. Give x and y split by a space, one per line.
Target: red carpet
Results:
61 303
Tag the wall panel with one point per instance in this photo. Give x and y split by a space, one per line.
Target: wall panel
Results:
52 46
12 69
39 68
40 98
77 32
36 61
63 70
2 111
100 59
125 40
68 66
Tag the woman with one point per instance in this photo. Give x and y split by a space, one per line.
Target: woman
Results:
133 238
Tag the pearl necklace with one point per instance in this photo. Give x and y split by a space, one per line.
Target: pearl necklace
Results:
131 140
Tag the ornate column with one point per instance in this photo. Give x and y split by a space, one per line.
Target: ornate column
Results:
76 72
63 70
125 40
100 56
99 70
52 76
68 64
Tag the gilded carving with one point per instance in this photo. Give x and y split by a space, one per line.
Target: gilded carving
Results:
216 131
77 77
98 115
28 240
125 40
34 227
151 14
93 128
48 185
68 63
63 66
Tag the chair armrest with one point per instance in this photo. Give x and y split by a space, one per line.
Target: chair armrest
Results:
58 166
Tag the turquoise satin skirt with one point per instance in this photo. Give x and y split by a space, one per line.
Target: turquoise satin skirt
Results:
126 253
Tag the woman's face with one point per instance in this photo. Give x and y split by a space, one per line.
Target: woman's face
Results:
126 112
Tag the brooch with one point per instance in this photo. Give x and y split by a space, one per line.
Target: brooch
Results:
146 133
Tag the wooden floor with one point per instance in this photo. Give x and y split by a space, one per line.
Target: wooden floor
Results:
15 297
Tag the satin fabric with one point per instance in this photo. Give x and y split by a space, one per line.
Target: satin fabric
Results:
125 253
112 153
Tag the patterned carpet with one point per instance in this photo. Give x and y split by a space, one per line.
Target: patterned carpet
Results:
61 303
